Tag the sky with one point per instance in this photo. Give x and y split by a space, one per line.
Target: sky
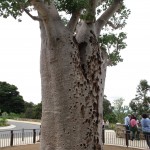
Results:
122 80
20 56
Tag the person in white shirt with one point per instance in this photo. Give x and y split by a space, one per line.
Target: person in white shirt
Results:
127 125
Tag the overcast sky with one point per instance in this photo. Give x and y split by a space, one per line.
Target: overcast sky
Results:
20 53
122 80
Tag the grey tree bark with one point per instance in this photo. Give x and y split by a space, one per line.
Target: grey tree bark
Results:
73 71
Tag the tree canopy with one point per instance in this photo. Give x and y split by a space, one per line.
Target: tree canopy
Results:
33 111
120 110
10 99
111 42
141 103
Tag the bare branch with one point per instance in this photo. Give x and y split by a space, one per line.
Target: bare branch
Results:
33 17
92 4
45 11
91 11
73 21
109 62
103 19
105 56
40 7
113 26
99 2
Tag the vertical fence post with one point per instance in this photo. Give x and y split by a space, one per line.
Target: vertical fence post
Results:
23 134
34 136
127 139
103 134
11 137
40 133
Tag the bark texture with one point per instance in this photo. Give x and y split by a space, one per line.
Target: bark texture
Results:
71 79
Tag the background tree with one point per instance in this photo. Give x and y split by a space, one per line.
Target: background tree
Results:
10 99
74 59
141 103
120 110
33 111
38 111
108 113
29 110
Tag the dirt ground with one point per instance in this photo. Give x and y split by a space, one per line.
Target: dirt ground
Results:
36 147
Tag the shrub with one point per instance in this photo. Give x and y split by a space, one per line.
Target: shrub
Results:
13 116
111 126
3 122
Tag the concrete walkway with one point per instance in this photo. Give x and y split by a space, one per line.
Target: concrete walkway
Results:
13 126
31 122
7 127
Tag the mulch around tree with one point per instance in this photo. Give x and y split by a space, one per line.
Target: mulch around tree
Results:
37 147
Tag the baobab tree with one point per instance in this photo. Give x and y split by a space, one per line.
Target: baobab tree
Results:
73 62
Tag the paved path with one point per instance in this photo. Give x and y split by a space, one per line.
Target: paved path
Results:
24 124
17 125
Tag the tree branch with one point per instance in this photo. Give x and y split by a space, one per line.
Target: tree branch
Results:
51 20
113 26
33 17
92 4
73 21
40 7
103 19
99 2
91 11
45 11
109 62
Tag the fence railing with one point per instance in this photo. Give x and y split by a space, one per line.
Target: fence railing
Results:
109 137
19 137
30 136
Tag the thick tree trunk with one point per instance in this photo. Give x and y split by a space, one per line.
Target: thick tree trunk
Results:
72 89
73 71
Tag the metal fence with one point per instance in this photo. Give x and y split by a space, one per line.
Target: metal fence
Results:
30 136
124 139
19 137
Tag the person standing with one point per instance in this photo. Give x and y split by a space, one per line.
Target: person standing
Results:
134 128
127 125
145 123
